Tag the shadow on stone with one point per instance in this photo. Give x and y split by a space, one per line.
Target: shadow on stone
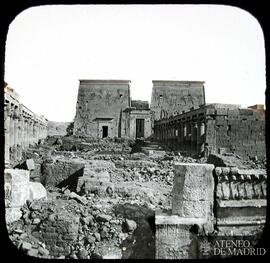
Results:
141 243
71 181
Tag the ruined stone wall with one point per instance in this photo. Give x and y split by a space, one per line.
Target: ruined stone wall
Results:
100 103
241 131
22 128
170 98
215 128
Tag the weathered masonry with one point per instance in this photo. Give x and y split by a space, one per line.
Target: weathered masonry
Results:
234 205
104 109
138 120
22 127
215 128
170 98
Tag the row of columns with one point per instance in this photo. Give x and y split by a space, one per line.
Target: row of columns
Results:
22 129
186 136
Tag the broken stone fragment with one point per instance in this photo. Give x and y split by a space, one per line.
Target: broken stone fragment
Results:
30 164
25 246
33 252
97 236
103 218
91 239
36 191
130 225
43 251
82 254
88 220
107 251
80 199
36 221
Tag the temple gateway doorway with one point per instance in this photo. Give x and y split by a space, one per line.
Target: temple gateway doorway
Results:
139 128
104 131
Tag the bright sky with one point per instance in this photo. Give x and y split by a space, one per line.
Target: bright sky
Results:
49 48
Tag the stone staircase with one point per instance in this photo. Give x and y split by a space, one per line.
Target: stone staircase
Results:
153 149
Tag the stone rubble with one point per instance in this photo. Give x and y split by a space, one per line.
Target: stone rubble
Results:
98 204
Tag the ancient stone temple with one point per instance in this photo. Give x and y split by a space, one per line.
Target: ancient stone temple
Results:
104 109
215 128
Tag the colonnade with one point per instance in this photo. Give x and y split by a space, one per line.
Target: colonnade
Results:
184 132
22 129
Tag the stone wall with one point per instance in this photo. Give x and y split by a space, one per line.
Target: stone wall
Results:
22 128
100 103
241 131
215 128
170 98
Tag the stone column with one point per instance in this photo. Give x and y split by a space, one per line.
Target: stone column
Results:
34 132
188 137
200 137
193 142
31 131
20 138
11 127
7 132
38 132
23 132
26 132
193 191
192 205
181 135
184 136
15 120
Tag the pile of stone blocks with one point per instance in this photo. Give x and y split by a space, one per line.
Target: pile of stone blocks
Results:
192 207
60 230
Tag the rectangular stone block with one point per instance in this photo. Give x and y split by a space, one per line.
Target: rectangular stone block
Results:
30 164
173 237
16 187
88 185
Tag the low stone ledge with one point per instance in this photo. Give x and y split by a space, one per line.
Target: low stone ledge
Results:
242 203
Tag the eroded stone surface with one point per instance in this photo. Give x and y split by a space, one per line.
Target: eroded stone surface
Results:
174 238
193 191
16 187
